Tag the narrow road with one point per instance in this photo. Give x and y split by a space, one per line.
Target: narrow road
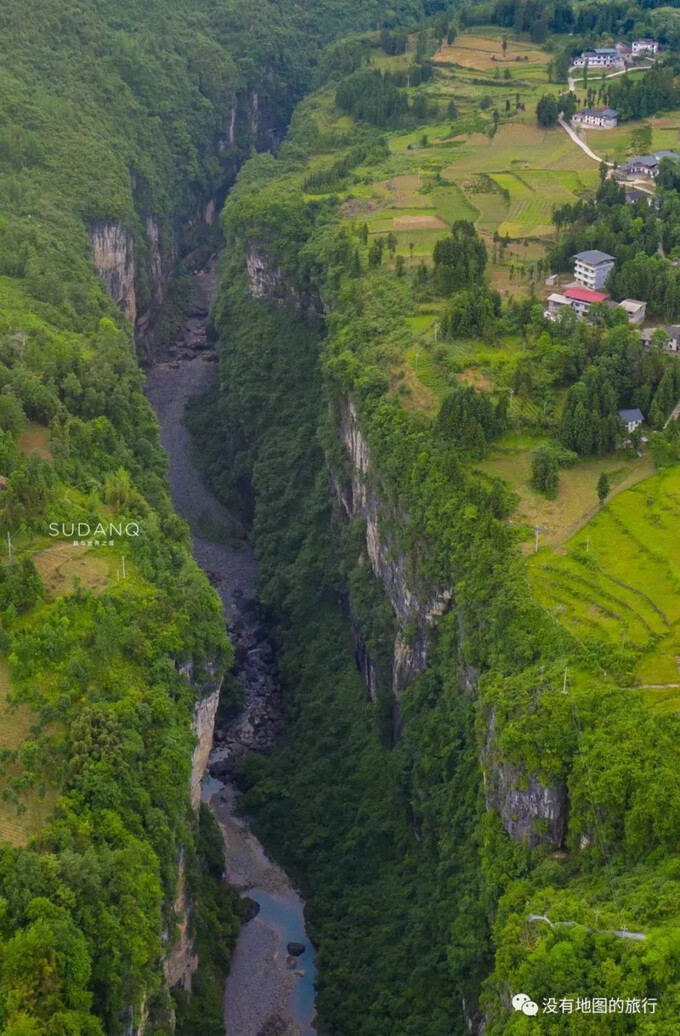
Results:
577 140
571 82
620 933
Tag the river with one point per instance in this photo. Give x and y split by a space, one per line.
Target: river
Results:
268 991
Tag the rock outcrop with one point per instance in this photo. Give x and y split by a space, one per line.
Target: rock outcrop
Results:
113 251
182 961
530 811
253 122
361 498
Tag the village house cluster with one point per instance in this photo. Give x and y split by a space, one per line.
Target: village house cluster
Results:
618 56
591 269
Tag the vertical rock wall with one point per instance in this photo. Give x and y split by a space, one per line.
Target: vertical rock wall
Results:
361 499
113 252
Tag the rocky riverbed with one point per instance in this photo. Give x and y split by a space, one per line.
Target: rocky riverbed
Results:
269 991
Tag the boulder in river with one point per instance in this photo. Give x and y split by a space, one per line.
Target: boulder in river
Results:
295 948
252 909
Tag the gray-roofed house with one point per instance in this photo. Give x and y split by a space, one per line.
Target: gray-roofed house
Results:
648 165
634 196
672 332
634 309
601 57
596 118
631 418
592 267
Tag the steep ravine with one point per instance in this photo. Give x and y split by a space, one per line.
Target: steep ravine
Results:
268 992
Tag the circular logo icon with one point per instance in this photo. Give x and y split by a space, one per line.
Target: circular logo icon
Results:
519 1000
530 1007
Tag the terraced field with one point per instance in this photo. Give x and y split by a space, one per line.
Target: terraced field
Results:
618 581
534 193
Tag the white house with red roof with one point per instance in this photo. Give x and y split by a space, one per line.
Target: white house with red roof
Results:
577 298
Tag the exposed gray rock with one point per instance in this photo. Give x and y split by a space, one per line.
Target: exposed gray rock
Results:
530 811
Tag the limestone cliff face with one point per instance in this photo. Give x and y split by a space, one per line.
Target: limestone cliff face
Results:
252 121
182 961
115 260
204 729
267 281
113 251
530 811
360 498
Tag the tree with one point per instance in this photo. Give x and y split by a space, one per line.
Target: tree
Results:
603 487
375 251
504 44
547 111
567 104
399 266
459 259
545 474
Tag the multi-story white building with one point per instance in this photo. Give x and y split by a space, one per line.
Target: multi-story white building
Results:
592 267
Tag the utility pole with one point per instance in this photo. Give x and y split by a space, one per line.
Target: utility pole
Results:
564 682
536 543
587 544
123 561
9 545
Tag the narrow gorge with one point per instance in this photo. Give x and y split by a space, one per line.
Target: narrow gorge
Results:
269 990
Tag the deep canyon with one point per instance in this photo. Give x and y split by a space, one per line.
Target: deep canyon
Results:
269 991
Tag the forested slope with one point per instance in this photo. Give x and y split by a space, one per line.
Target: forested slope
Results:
124 120
495 767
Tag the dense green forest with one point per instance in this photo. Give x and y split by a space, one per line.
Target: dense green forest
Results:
426 911
112 112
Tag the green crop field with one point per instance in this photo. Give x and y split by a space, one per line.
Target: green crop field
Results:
618 580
